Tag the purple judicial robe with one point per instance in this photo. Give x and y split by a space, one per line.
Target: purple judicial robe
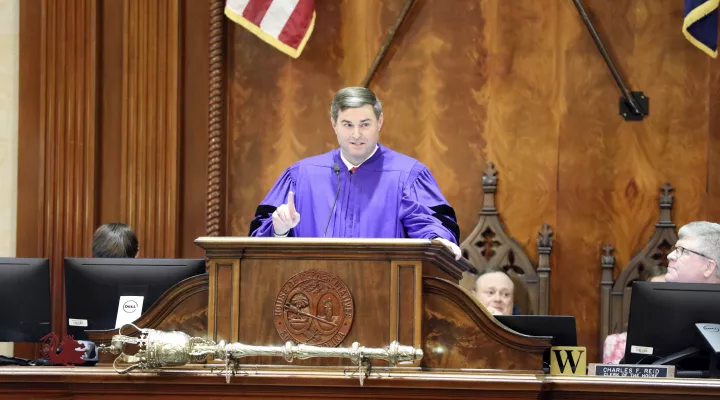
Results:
390 195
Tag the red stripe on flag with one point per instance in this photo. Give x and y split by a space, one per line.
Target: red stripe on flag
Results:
255 10
298 24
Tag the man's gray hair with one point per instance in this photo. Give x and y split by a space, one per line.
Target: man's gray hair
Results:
707 237
354 97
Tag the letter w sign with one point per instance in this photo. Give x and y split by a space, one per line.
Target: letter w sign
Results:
568 360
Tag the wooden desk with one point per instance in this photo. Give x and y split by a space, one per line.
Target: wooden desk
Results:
464 346
268 382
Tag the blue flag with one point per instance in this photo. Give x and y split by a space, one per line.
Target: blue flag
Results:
700 25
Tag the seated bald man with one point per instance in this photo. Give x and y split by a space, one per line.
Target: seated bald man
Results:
495 290
694 258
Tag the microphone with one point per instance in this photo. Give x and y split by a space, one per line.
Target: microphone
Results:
336 168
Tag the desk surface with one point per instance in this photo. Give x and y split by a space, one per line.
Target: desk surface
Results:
205 382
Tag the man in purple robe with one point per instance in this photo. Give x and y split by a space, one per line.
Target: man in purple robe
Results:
361 190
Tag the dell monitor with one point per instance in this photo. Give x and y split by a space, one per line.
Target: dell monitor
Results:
560 327
93 287
25 298
662 326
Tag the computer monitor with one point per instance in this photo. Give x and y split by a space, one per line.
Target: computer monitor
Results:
25 309
93 286
560 327
661 326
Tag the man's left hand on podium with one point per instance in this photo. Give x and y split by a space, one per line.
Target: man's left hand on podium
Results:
452 246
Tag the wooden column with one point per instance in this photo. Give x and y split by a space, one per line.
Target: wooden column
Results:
58 115
215 204
150 124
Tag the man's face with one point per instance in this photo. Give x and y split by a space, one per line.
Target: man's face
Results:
495 291
357 130
689 267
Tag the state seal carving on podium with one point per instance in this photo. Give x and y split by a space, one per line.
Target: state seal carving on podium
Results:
314 307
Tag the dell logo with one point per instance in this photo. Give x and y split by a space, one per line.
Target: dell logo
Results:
130 306
711 328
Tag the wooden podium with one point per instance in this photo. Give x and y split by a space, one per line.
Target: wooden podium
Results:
375 284
333 292
401 290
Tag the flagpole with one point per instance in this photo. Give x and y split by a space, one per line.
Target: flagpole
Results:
629 98
388 41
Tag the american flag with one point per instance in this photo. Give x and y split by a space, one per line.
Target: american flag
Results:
285 24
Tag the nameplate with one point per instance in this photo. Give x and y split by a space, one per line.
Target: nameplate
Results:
632 371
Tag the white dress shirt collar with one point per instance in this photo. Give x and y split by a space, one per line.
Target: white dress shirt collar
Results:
349 165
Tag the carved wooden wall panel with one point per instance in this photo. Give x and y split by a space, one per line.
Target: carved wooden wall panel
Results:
615 296
489 246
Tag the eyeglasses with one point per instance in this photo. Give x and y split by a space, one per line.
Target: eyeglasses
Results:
679 250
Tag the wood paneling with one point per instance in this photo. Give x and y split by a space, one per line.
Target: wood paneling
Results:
58 127
405 294
610 170
194 159
101 136
30 188
150 124
520 128
520 83
265 383
713 185
110 88
163 115
29 177
190 134
223 314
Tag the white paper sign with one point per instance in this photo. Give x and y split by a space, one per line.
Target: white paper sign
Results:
641 350
77 322
129 309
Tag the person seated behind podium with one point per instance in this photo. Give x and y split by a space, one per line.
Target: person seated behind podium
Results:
693 259
115 240
361 190
614 345
496 291
695 256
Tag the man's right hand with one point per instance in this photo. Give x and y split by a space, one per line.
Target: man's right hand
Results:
285 217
